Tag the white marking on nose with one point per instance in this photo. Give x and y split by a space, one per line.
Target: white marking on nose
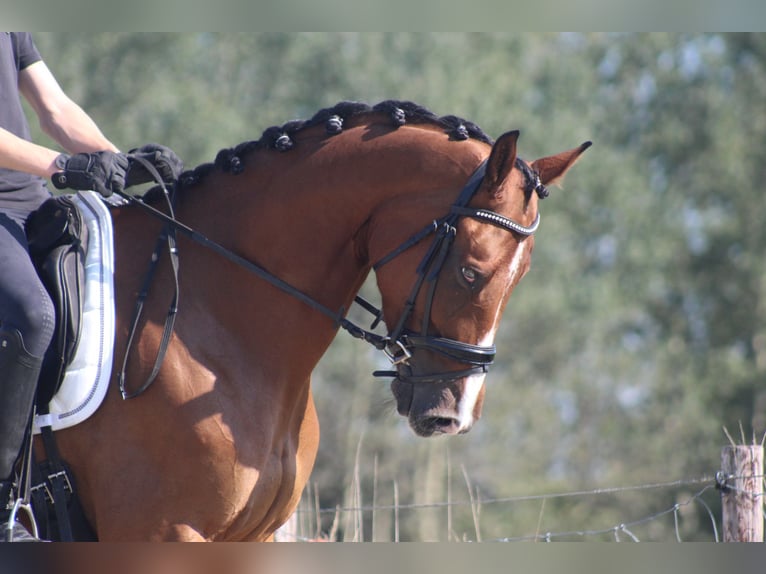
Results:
488 339
468 400
514 270
516 261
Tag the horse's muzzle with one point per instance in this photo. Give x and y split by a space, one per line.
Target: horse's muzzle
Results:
424 424
439 407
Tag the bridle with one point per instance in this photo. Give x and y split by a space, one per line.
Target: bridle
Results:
400 343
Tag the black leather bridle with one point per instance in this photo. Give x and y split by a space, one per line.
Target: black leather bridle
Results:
400 343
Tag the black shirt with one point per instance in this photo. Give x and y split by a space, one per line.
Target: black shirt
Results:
18 190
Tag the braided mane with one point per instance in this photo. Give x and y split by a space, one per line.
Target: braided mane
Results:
281 138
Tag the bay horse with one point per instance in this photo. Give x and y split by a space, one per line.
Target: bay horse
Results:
220 446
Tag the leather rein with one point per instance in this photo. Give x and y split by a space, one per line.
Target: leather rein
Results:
400 343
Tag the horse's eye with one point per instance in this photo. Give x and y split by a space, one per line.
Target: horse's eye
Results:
469 274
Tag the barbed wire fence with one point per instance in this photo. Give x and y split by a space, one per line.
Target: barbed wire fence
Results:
745 490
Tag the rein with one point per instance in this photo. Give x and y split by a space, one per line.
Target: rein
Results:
400 343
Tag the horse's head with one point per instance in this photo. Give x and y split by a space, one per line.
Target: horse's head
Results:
442 323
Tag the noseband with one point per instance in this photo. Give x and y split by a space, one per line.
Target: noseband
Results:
401 343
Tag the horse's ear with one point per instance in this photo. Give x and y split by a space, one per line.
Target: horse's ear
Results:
553 168
501 161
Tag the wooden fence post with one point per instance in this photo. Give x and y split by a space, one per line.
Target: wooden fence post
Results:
742 493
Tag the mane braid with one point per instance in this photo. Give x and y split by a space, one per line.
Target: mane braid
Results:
282 138
532 180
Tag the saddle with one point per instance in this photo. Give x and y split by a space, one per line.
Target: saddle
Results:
69 240
58 243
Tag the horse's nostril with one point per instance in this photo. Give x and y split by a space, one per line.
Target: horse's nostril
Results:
428 426
443 422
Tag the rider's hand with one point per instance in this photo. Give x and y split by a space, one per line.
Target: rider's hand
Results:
102 171
164 159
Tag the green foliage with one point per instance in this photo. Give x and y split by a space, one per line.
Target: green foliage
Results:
639 332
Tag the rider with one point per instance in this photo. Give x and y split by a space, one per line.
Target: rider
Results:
26 310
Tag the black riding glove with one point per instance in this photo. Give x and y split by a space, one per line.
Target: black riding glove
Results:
102 171
164 159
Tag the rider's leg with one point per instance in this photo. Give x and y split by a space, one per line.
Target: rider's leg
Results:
18 382
26 328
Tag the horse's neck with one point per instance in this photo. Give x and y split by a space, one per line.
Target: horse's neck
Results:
302 215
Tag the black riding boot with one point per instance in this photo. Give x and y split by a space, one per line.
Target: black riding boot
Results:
18 382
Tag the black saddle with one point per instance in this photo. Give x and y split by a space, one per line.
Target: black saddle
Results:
58 243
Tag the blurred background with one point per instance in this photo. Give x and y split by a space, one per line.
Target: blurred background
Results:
639 333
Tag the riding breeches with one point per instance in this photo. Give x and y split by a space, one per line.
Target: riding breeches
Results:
24 303
26 328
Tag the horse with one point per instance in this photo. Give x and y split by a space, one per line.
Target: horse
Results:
277 237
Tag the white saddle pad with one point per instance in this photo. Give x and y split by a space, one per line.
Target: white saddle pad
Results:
87 378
